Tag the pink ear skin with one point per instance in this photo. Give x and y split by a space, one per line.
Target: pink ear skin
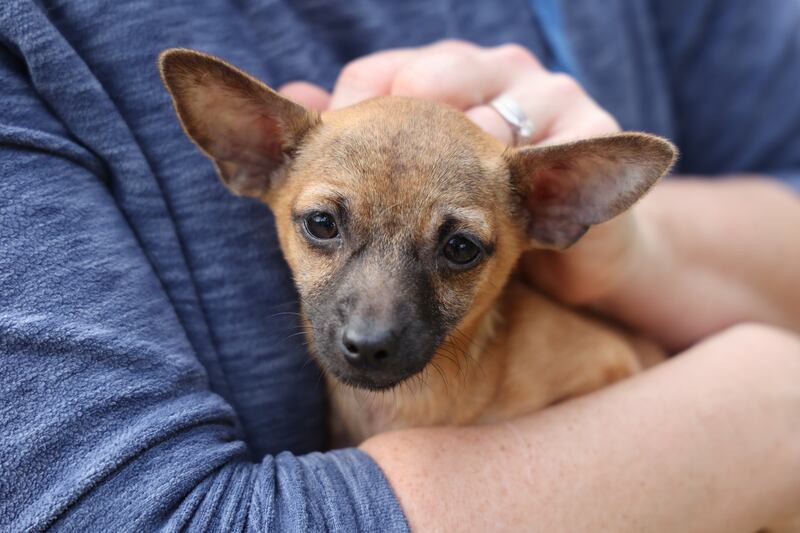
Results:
246 128
570 187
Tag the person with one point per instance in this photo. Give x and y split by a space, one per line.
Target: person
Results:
151 375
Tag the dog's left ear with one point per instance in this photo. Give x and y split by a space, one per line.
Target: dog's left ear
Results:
568 188
246 128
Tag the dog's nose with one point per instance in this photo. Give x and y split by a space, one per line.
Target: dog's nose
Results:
368 346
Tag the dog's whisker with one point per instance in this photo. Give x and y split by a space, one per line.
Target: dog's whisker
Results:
452 358
442 375
284 313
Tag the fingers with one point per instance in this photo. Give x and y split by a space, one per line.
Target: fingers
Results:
469 77
559 108
463 77
368 77
581 118
543 97
307 94
597 265
453 72
493 124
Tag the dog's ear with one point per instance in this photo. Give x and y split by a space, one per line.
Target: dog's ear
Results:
249 130
568 188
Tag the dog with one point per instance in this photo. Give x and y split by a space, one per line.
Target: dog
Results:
402 222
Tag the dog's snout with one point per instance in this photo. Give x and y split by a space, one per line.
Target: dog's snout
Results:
379 331
366 345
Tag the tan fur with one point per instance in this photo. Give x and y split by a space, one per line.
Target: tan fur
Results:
527 353
514 351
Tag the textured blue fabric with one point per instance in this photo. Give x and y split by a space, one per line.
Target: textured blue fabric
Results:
551 23
151 375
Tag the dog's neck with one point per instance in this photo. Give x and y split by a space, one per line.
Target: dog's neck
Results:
459 371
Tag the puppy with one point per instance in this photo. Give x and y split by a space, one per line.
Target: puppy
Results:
402 222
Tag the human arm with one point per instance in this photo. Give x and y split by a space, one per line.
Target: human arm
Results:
108 419
667 450
700 256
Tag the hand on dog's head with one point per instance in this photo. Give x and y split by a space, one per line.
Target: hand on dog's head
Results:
400 218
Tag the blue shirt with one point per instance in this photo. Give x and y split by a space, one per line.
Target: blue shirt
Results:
151 375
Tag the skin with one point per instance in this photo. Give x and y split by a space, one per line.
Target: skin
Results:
706 442
641 456
703 281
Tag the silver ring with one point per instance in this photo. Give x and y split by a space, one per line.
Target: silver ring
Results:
522 127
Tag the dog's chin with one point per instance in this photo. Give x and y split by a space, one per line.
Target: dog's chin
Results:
370 383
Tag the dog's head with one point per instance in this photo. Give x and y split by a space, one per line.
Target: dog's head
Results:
401 219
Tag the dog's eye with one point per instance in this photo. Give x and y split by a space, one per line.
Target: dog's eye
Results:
460 250
321 226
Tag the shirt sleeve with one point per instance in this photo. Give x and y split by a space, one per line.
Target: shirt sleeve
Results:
108 422
734 70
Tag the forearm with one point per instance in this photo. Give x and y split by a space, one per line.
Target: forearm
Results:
644 455
711 254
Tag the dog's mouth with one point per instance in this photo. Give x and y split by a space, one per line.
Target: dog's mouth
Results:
368 354
401 368
372 380
369 383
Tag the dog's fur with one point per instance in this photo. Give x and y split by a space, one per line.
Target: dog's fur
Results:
401 176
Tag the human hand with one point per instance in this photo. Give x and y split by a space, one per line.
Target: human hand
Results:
469 77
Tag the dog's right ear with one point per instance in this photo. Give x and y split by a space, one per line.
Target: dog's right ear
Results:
246 128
